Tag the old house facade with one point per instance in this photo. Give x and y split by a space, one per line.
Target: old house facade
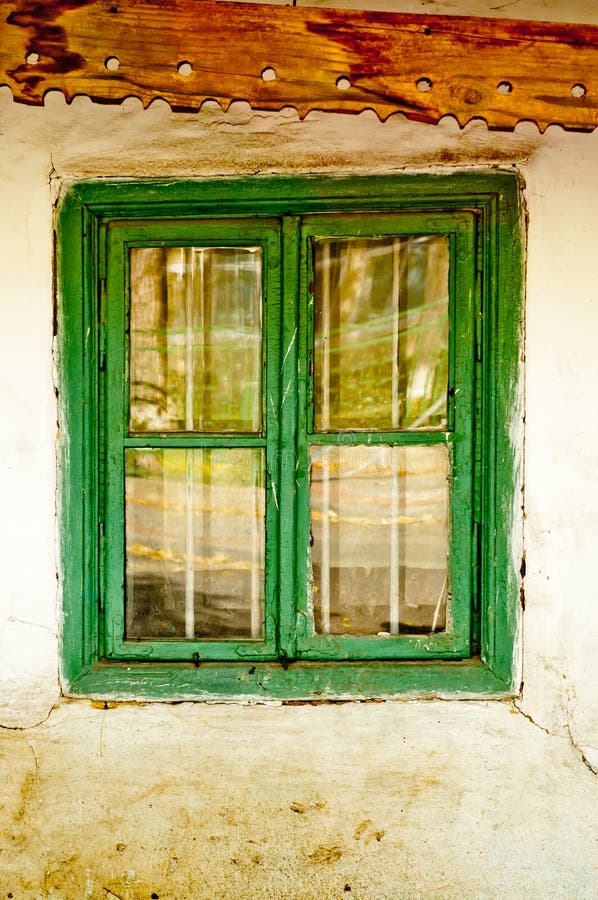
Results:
455 785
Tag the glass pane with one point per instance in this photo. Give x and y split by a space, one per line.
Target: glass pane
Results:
379 539
196 339
381 333
195 543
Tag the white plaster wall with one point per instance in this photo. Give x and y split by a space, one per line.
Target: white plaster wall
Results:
28 613
561 617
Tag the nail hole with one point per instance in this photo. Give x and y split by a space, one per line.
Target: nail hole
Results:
112 63
579 90
268 74
427 30
424 85
113 10
343 83
505 87
184 68
32 59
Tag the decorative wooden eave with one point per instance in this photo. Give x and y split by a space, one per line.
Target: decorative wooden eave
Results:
189 51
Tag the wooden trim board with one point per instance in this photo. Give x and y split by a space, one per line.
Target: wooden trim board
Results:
423 66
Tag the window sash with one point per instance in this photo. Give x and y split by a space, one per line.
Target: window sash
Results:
115 437
456 640
288 617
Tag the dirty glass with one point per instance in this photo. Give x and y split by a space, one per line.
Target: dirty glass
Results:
194 543
195 339
381 333
379 539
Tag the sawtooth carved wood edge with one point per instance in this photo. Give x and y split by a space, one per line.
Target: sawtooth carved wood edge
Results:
188 51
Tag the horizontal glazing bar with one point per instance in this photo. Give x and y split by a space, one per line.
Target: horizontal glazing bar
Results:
195 651
389 647
345 223
394 438
160 441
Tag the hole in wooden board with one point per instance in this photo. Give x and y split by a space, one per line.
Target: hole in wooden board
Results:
579 90
32 58
268 74
184 68
343 83
424 85
505 87
112 63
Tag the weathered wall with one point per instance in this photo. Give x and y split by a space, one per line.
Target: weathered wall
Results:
394 801
362 762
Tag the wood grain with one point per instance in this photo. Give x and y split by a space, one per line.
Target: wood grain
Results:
382 57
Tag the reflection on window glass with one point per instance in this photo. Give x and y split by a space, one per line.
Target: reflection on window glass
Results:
379 539
381 333
195 339
195 543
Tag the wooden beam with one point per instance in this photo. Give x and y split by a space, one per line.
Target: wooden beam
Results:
187 51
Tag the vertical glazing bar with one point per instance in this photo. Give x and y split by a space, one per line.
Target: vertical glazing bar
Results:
325 388
189 475
394 492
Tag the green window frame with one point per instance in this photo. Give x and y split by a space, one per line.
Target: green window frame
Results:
99 225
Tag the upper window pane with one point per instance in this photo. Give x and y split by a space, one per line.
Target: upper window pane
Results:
381 333
196 339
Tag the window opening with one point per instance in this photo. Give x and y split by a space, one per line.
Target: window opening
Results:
289 433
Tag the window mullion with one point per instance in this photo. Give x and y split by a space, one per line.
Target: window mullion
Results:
287 458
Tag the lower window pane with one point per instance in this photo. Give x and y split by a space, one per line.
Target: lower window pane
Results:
195 543
379 539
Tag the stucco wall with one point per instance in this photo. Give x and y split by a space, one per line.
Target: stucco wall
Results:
42 149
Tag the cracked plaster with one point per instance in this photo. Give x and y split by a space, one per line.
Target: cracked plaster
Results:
396 800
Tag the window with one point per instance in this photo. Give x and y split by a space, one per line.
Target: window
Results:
288 410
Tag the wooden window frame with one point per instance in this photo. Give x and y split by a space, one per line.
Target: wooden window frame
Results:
96 223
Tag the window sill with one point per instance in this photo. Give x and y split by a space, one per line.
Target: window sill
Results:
309 681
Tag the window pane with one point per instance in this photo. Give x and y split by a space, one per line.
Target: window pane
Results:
195 543
196 339
379 539
381 333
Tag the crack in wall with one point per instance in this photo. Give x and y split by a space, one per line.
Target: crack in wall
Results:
43 721
593 769
35 762
568 736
